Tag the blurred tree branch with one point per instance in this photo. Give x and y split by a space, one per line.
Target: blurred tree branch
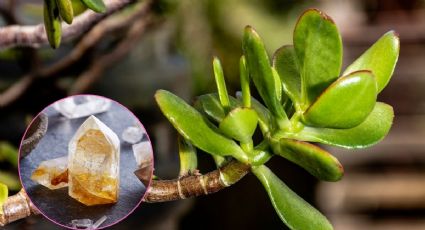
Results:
138 19
35 35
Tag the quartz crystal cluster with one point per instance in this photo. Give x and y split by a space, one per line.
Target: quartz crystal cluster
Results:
91 169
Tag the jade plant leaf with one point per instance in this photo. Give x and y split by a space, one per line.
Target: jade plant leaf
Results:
192 126
261 72
66 10
285 63
97 6
210 104
381 59
221 84
295 212
52 23
188 157
369 132
240 124
264 116
4 193
344 104
318 48
312 158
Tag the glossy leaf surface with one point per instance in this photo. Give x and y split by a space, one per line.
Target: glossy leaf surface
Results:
52 23
66 10
369 132
95 5
295 212
312 158
192 126
210 104
221 84
344 104
381 59
285 63
318 48
261 72
239 124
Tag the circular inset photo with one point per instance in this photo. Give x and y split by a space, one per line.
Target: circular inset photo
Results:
85 162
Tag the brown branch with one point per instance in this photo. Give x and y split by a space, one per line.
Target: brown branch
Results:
19 206
35 36
86 79
196 185
91 39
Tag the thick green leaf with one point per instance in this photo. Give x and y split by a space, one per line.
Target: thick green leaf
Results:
240 124
210 105
188 157
261 72
97 6
192 126
221 84
381 59
372 130
285 63
295 212
52 23
264 117
4 193
244 75
78 7
315 160
318 48
65 10
344 104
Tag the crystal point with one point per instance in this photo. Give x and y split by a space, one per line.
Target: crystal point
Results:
93 163
53 173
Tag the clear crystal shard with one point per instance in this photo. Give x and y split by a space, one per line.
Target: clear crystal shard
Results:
132 134
82 224
72 107
53 173
93 163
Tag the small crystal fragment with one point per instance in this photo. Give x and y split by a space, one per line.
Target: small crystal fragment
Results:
99 222
132 134
88 105
144 159
82 224
93 163
53 173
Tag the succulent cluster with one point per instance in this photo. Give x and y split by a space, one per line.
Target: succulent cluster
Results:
55 11
306 99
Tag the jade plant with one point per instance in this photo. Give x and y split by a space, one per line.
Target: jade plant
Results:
305 98
55 11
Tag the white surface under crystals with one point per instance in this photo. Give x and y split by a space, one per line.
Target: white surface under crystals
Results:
87 106
132 134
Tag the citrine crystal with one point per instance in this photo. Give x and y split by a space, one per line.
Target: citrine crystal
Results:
93 164
52 173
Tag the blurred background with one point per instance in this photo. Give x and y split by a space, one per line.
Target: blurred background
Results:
383 187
